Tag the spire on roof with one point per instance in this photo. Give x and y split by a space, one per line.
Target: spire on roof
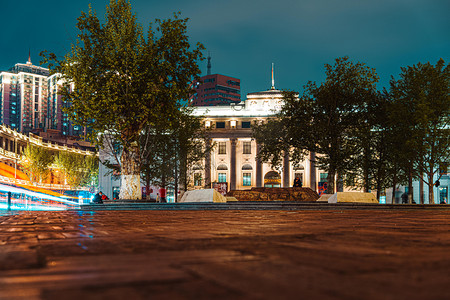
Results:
209 64
273 80
29 57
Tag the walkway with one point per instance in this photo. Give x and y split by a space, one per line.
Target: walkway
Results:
231 254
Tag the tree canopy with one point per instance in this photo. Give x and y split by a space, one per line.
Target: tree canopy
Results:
120 81
421 110
324 119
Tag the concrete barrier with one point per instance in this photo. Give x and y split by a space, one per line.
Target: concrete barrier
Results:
352 197
324 197
206 195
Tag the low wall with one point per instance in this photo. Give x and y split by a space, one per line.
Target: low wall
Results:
275 194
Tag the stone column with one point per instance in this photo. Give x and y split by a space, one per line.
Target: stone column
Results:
233 165
258 167
208 165
312 171
286 173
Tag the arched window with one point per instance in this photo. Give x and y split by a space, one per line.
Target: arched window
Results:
247 167
272 179
299 168
222 167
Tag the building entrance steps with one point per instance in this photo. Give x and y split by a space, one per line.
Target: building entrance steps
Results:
258 205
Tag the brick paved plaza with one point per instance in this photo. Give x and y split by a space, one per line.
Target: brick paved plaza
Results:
334 254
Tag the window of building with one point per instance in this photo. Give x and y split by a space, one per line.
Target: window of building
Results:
246 124
220 124
323 177
232 82
247 179
222 167
222 148
197 179
222 177
299 176
247 147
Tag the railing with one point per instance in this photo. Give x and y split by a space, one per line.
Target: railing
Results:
8 180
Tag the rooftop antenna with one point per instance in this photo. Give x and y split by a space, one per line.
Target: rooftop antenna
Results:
209 64
273 80
29 57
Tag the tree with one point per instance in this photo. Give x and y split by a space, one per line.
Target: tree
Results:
368 168
323 120
422 110
191 147
79 169
120 81
37 161
171 153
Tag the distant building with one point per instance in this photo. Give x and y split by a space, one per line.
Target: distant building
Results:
29 101
58 119
216 89
24 97
13 145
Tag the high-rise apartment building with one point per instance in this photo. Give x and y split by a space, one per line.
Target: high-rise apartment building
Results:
58 119
29 100
24 97
216 89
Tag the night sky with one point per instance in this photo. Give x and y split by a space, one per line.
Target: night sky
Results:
246 36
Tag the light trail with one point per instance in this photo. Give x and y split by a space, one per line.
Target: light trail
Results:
25 199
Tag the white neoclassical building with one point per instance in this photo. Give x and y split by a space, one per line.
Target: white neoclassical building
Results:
234 158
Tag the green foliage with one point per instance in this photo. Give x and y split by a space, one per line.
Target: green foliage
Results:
421 112
325 119
121 81
169 154
375 164
36 161
79 170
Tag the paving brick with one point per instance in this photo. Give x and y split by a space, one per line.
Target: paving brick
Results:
230 254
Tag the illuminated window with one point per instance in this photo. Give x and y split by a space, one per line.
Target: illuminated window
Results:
247 179
247 147
222 148
245 124
222 177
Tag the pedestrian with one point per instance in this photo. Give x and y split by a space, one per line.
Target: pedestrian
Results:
104 197
404 198
297 182
98 198
158 199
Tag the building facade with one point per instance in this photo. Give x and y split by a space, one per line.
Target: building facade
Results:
216 89
233 159
13 145
29 101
